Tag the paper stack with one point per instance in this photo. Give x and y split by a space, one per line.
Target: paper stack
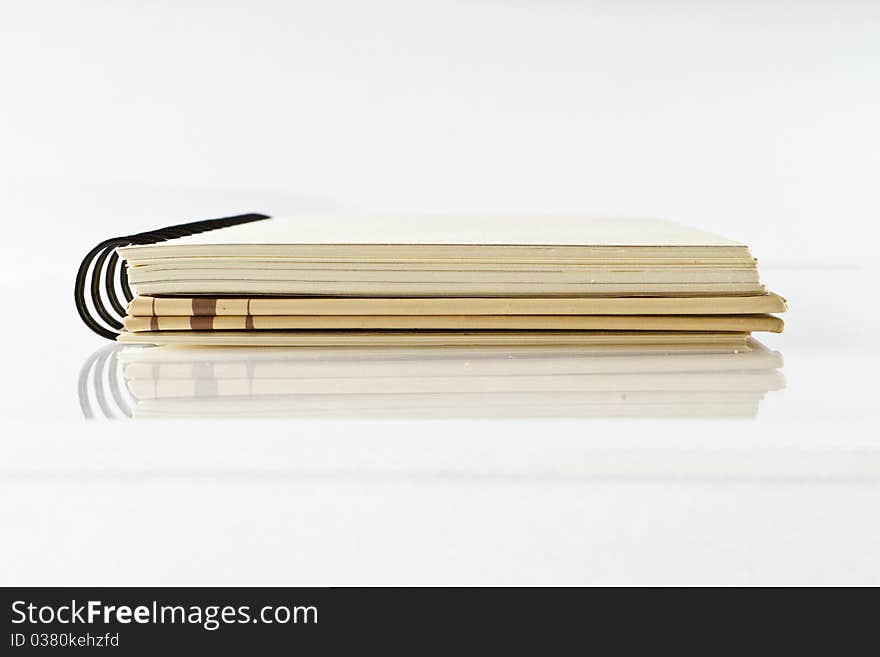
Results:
371 281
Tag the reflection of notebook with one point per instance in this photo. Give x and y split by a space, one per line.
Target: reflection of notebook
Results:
233 281
619 449
452 382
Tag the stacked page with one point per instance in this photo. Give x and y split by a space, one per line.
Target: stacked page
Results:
433 281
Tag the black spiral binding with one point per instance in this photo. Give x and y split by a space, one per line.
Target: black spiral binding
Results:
102 264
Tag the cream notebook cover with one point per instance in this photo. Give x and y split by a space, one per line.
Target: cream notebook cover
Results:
462 322
433 338
207 306
454 230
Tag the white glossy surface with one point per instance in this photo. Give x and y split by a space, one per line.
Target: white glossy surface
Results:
787 497
120 118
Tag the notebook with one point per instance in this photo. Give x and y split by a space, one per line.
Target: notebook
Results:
339 280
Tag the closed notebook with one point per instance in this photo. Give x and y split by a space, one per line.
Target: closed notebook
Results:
382 280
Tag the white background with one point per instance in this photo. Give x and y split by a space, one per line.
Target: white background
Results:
755 120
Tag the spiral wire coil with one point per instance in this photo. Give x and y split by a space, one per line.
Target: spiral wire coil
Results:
102 264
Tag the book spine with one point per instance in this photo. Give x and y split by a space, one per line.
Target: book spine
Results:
103 277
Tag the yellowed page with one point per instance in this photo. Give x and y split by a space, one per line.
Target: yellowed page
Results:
146 306
462 322
431 338
218 287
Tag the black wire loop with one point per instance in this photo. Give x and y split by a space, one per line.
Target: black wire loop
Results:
103 262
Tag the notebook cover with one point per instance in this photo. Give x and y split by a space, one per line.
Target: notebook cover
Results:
460 322
147 306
